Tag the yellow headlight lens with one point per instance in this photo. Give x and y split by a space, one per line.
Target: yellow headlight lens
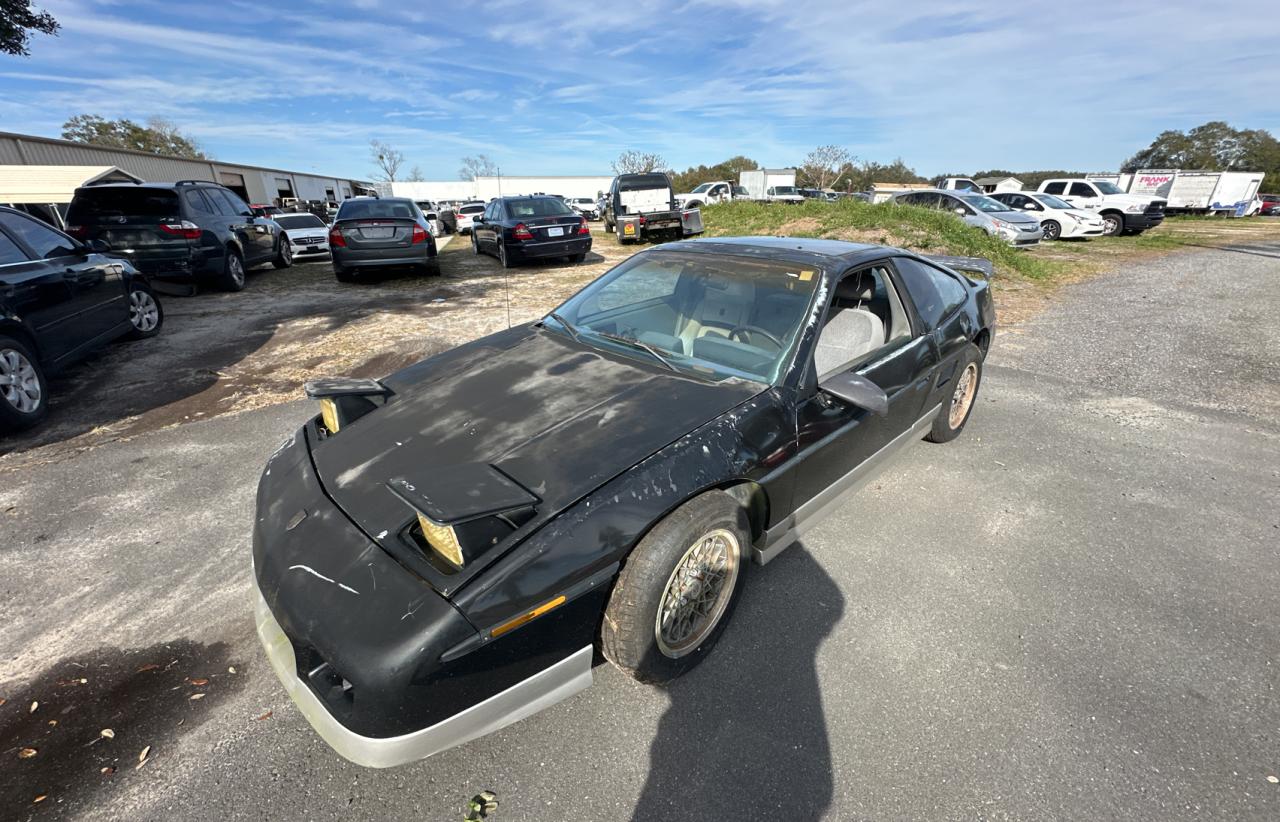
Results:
443 540
329 415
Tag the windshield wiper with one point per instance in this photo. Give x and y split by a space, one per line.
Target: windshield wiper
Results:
568 326
632 343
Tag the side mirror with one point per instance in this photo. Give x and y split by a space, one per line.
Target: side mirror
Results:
959 210
856 389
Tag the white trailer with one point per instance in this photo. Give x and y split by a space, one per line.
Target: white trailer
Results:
1236 193
760 180
1201 192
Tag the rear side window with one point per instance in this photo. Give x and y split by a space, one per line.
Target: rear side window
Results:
9 251
221 202
1081 190
934 292
149 205
238 206
197 203
1055 188
44 241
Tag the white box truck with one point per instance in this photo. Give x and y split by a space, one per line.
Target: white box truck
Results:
758 181
1201 192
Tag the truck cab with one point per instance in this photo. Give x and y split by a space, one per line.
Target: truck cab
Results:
720 191
1121 213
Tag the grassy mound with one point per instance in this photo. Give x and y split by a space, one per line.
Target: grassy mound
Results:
919 229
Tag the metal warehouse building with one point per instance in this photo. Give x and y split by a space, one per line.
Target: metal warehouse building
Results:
256 184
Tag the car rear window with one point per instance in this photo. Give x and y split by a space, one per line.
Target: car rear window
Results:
641 182
537 207
149 204
299 221
376 210
471 209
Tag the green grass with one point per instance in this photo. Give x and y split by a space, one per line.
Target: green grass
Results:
922 230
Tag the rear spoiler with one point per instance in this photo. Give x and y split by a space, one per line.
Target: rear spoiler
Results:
968 265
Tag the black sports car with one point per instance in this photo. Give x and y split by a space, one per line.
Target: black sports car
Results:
441 553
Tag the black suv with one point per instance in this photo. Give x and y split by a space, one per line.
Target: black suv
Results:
183 231
59 300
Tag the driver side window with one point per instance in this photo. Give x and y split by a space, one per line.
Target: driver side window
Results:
866 314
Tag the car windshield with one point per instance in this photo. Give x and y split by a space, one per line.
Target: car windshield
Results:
537 207
1052 201
1108 188
299 221
376 209
715 317
701 188
983 203
144 204
784 189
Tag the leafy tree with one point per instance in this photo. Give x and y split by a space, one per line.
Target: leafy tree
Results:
823 166
1214 146
637 162
17 21
729 170
387 160
158 136
478 166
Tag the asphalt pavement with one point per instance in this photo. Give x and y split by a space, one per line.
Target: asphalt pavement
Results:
1068 613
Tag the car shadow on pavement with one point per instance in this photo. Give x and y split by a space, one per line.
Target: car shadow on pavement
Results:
745 736
90 722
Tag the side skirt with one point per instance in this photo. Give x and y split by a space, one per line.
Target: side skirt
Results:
785 533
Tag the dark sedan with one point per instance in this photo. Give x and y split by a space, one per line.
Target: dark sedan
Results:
60 300
443 552
515 229
370 233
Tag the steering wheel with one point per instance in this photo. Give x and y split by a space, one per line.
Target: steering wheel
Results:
748 330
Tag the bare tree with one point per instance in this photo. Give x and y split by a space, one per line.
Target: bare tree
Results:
415 175
387 159
480 165
822 165
638 162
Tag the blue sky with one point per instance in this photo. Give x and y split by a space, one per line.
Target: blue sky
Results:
562 86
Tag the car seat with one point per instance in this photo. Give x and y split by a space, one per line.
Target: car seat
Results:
851 330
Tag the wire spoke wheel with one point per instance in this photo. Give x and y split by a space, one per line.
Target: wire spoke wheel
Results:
962 398
697 593
19 383
144 313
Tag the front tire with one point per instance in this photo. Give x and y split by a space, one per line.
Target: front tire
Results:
233 275
145 313
677 589
1112 224
23 390
284 254
954 414
1052 229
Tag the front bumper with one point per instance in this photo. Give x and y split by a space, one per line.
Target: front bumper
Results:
543 689
1144 221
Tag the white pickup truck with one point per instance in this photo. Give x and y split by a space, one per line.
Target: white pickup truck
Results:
720 191
1121 213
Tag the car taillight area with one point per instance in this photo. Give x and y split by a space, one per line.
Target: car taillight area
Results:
185 229
583 228
336 238
521 232
419 234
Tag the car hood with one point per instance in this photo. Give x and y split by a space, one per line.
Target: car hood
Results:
1014 217
554 415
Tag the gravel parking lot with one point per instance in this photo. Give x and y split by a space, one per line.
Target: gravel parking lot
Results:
1068 613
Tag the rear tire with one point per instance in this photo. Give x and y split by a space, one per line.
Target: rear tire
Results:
23 390
954 414
475 245
677 590
503 259
284 254
233 273
145 312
